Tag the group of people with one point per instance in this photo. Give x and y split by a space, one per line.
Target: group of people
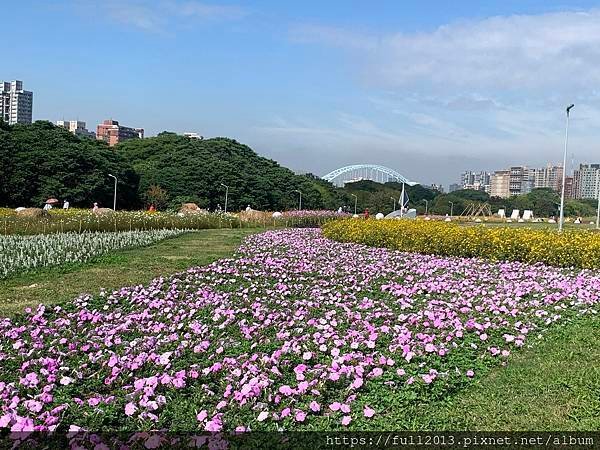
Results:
48 206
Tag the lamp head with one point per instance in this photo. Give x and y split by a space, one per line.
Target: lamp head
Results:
569 108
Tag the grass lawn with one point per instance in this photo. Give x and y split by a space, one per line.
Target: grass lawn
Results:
553 386
114 270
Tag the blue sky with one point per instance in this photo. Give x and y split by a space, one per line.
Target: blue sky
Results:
427 89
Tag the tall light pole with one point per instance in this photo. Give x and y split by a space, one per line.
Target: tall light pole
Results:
300 201
394 199
451 209
115 196
598 207
562 194
226 195
426 205
355 202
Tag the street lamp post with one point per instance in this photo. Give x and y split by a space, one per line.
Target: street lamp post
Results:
300 201
426 205
562 193
451 209
226 195
115 196
598 207
394 199
355 202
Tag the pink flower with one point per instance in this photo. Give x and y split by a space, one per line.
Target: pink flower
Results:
214 425
262 416
130 408
300 368
335 406
377 372
286 390
470 373
428 378
5 420
358 382
202 415
286 412
33 405
346 420
315 407
300 416
306 356
368 411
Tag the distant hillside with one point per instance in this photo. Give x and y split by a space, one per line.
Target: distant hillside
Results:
192 170
41 160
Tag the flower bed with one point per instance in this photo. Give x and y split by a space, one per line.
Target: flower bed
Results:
21 253
571 248
295 332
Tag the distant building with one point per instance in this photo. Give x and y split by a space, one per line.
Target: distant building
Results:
569 187
16 104
547 177
111 132
454 187
519 182
586 181
478 181
500 184
193 136
77 127
437 187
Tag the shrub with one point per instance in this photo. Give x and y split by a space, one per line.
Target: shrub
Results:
568 249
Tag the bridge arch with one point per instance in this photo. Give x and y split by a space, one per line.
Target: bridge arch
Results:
358 172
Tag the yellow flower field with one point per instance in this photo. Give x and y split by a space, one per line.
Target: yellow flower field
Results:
568 249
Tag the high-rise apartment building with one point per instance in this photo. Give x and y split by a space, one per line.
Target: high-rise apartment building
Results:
479 181
546 177
16 104
500 183
454 187
111 132
586 181
77 127
569 187
519 182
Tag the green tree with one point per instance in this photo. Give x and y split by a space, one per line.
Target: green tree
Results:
41 160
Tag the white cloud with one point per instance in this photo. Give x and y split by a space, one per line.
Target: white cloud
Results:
509 52
161 16
206 11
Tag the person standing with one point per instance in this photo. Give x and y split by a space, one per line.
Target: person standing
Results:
66 204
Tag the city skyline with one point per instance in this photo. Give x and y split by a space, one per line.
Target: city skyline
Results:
317 87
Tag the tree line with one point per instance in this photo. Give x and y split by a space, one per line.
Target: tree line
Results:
41 160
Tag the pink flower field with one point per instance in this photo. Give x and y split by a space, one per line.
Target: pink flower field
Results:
294 332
